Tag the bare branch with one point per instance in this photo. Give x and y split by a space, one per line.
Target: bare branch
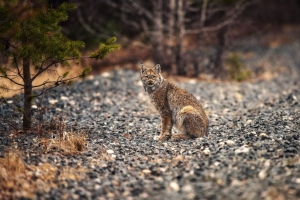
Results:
13 72
41 70
203 13
84 24
12 80
89 28
130 22
132 6
8 43
213 11
54 84
59 81
17 65
125 7
232 15
145 27
112 4
43 84
142 9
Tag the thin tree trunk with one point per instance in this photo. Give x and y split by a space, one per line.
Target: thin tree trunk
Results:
170 39
219 70
27 95
157 38
201 36
203 13
180 36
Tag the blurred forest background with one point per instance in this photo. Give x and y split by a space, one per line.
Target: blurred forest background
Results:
219 38
187 37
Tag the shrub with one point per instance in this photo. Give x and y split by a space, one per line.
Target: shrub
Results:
236 68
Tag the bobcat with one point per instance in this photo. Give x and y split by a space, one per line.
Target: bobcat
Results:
175 105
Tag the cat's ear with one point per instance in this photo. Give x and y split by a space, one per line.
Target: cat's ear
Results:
143 68
157 68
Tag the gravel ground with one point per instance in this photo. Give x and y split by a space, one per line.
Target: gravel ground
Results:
252 151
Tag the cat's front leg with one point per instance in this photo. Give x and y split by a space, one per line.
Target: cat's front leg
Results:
166 128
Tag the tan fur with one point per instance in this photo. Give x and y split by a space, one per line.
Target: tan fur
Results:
176 107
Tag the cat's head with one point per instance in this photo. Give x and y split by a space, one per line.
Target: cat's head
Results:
151 77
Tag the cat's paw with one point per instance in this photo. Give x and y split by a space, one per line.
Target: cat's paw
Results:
156 137
162 137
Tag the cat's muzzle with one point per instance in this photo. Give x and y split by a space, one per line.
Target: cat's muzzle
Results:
150 83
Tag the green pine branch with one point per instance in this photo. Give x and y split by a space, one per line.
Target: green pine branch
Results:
105 48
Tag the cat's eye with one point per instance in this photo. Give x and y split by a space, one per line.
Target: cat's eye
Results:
149 76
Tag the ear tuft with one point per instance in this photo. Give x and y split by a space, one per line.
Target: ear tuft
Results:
157 68
143 69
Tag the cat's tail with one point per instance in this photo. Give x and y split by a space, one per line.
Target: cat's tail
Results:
192 122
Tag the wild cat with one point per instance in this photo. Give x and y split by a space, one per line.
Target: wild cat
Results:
175 105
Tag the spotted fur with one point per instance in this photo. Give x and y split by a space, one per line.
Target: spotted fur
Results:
175 105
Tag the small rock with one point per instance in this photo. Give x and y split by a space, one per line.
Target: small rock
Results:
64 98
146 171
174 186
242 149
206 151
238 96
52 101
229 142
263 136
144 195
262 174
109 151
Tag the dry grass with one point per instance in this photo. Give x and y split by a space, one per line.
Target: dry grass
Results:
12 171
11 165
69 143
74 142
20 180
